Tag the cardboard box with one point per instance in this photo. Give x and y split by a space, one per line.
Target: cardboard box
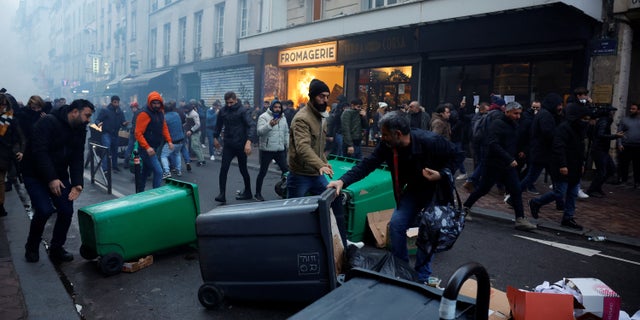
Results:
597 298
498 302
527 305
137 265
378 222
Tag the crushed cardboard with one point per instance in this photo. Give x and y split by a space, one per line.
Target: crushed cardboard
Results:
498 302
137 265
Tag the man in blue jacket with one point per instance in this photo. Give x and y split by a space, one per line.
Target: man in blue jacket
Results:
111 119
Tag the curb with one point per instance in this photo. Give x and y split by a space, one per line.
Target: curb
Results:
549 225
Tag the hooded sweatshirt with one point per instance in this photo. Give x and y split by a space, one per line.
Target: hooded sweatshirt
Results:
150 124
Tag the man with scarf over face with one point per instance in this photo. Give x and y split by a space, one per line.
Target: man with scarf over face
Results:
273 133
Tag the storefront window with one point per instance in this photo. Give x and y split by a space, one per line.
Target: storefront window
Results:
298 82
390 84
511 80
550 76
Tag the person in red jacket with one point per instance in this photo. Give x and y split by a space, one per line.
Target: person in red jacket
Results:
151 131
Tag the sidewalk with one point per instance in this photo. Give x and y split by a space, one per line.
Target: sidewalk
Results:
35 291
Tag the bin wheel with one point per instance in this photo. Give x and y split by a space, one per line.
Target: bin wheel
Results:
88 252
210 296
111 263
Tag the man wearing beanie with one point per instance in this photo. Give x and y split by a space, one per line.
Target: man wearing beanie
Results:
111 119
307 161
151 131
501 163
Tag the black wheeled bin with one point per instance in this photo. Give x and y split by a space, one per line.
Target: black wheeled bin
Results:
370 295
278 250
139 224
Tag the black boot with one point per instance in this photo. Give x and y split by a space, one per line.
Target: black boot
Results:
3 212
221 197
32 253
59 254
244 196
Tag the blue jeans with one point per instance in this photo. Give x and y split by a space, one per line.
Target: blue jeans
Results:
44 204
212 148
404 215
357 150
171 155
460 165
185 152
300 186
532 176
508 177
149 165
561 191
111 142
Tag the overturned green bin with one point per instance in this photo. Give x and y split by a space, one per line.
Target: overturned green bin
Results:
136 225
373 193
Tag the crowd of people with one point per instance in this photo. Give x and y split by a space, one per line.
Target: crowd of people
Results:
511 146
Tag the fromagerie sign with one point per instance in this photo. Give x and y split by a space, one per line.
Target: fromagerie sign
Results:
308 55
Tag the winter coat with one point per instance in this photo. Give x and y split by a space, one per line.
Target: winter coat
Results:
11 139
112 119
237 124
541 138
503 142
602 134
568 151
56 150
352 124
174 124
427 149
272 138
212 117
420 120
306 142
441 126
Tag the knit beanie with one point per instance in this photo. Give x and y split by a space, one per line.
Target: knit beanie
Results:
317 87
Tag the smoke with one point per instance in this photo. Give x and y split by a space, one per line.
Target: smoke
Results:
17 72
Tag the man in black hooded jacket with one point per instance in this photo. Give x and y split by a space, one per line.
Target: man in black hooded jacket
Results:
567 164
53 174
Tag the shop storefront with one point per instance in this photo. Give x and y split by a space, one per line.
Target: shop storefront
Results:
235 73
288 72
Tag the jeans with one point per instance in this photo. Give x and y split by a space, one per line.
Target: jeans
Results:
532 176
404 215
44 204
460 165
171 155
561 189
212 148
265 160
336 147
149 165
509 177
185 152
300 186
111 142
604 169
228 153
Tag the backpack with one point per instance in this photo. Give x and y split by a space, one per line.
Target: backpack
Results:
481 127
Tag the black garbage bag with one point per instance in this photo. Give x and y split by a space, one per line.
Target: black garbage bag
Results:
381 261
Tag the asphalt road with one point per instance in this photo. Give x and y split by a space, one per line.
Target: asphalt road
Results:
168 289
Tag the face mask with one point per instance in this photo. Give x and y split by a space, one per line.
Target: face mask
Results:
583 101
477 109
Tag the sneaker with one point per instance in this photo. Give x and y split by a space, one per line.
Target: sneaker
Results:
507 200
468 186
535 209
244 196
582 194
523 224
571 224
166 175
203 146
467 214
188 167
32 255
58 255
533 190
461 177
178 173
259 197
201 163
433 282
358 245
212 158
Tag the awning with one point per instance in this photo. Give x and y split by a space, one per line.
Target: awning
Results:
113 85
143 79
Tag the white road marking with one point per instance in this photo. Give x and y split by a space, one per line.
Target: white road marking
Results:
576 249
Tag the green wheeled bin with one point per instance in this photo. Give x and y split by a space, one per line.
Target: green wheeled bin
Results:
136 225
373 193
